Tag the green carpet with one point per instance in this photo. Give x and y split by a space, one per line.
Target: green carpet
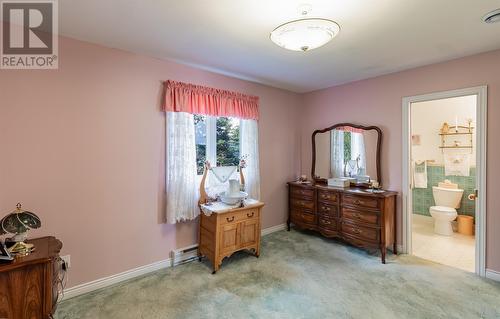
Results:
298 275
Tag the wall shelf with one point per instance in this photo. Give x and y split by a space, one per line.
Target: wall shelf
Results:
457 130
451 146
456 133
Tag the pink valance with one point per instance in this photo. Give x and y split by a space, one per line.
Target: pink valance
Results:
196 99
350 129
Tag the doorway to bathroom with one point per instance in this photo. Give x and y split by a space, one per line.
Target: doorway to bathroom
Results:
444 178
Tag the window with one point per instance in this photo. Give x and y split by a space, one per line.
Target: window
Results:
217 140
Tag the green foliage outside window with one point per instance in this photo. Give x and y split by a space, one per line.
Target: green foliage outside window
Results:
228 142
347 146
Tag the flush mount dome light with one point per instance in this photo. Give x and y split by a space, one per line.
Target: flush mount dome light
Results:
492 17
305 34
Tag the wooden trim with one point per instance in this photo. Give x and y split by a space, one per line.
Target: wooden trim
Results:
318 179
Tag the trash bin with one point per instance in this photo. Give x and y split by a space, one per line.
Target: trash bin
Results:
465 225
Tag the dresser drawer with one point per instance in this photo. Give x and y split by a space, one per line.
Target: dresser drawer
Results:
328 197
328 210
298 216
361 201
356 216
299 192
231 218
361 232
327 223
302 203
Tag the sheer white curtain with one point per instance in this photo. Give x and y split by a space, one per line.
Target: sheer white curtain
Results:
249 146
337 153
181 182
358 150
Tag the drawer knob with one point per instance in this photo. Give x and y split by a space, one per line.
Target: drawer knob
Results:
357 215
230 219
250 215
357 202
356 231
327 222
326 208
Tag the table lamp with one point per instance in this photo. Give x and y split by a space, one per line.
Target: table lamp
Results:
18 223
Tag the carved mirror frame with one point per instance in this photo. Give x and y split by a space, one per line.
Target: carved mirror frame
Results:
318 179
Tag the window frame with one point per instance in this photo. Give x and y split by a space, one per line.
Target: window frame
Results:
211 141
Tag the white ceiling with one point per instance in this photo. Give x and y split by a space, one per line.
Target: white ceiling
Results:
232 36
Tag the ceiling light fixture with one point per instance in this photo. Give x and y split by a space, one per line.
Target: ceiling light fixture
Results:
305 34
492 17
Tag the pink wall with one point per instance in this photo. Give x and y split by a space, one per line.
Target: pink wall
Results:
83 147
378 102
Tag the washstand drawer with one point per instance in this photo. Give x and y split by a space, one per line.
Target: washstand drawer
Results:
361 201
327 223
230 218
328 210
302 203
302 217
361 232
299 192
328 197
356 216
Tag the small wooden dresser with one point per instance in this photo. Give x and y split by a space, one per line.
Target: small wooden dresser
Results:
356 215
224 233
29 285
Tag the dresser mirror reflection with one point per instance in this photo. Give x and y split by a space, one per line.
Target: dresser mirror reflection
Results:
347 150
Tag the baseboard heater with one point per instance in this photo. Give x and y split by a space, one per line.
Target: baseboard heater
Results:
184 255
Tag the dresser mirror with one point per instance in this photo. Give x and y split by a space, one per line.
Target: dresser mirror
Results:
347 150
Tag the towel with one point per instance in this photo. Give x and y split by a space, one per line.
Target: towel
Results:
420 174
456 164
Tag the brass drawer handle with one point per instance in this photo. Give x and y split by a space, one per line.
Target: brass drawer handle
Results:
325 208
250 215
325 196
230 219
357 202
356 231
326 222
357 215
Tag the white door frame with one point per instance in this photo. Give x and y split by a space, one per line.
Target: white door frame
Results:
480 218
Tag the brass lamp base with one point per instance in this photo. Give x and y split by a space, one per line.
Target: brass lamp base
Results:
21 249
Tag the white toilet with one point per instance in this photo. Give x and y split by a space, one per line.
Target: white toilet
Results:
447 200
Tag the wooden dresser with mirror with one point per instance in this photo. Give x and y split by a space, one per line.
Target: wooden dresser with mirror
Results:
360 215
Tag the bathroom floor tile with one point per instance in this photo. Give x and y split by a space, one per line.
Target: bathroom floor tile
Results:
455 251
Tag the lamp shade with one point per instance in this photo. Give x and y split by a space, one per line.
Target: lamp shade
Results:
19 222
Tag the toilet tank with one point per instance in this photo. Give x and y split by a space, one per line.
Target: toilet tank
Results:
447 197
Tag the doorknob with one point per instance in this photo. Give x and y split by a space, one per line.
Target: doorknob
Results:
473 196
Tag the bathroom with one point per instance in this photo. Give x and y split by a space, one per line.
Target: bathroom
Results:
443 154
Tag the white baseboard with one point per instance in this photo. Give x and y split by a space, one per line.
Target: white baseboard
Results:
273 229
493 275
114 279
136 272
